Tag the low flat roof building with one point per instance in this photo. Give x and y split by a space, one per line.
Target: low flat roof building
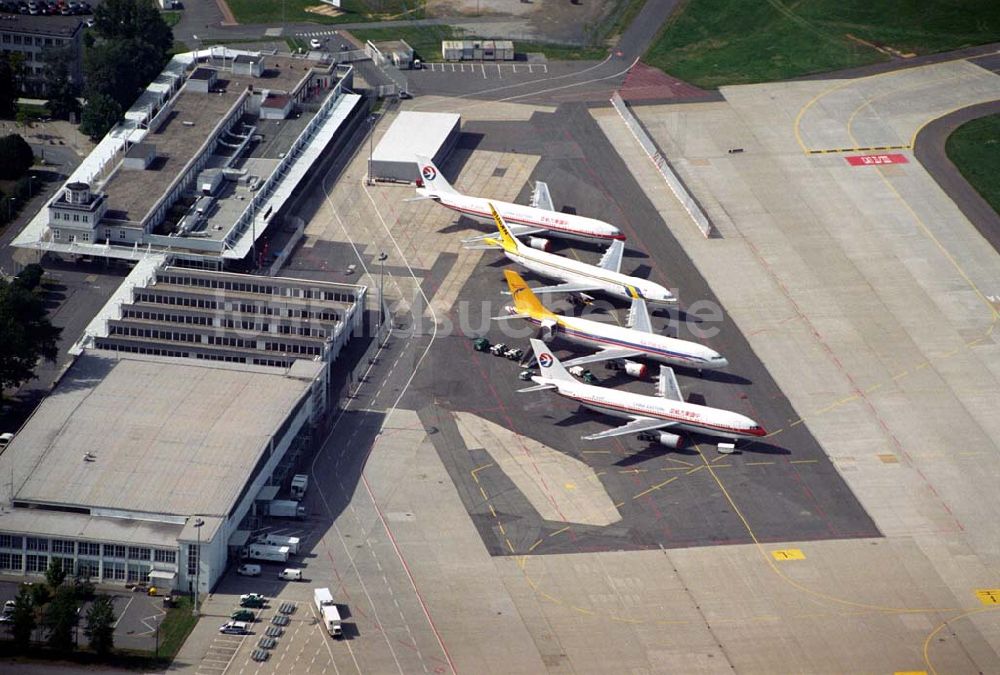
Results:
35 36
413 133
143 437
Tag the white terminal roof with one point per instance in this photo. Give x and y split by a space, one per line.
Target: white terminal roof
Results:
415 133
166 437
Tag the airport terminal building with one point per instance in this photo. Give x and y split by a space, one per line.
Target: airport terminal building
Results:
193 395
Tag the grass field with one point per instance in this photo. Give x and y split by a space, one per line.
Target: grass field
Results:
975 149
711 43
171 18
294 11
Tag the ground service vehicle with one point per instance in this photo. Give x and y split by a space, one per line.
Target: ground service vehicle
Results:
266 552
328 611
278 540
286 508
300 483
248 570
290 575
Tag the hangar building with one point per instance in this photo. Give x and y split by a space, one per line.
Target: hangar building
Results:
413 133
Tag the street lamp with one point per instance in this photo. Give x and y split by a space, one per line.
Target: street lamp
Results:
31 180
10 208
198 522
381 302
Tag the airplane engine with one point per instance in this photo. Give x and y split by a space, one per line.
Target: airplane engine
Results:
663 438
635 369
540 243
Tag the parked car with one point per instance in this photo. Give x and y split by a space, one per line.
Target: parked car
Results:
315 44
244 615
235 628
255 600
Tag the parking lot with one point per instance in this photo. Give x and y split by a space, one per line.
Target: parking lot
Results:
138 616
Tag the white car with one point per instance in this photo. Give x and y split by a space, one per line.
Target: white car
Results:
315 44
235 628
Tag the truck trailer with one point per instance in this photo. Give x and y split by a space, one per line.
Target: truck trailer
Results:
278 540
266 552
286 508
328 611
300 483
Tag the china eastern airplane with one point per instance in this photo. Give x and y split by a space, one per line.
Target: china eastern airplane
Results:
578 277
613 342
649 416
540 217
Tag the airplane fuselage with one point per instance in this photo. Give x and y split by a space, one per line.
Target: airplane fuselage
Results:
565 225
653 346
683 415
573 271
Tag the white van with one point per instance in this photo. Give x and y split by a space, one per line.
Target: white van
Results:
290 575
248 570
5 439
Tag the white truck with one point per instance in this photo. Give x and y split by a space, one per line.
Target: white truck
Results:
300 483
266 552
286 508
278 540
328 611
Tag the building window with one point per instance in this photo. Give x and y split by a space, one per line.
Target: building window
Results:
65 563
162 556
56 215
114 551
136 553
37 563
63 546
11 541
90 548
138 573
35 544
76 217
121 234
114 571
55 234
192 560
88 569
86 218
10 561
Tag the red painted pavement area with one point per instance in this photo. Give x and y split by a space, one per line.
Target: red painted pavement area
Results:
875 160
646 82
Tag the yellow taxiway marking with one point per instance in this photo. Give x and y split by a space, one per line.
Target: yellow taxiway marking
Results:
478 469
535 545
483 492
988 596
559 531
788 554
656 487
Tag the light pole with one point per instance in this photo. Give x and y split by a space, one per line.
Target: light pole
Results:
198 522
31 180
10 208
381 302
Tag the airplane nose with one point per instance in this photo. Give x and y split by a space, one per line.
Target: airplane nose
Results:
758 431
720 362
619 236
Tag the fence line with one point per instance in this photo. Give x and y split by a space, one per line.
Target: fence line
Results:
673 181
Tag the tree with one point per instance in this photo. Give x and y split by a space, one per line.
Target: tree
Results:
30 277
100 627
61 619
61 90
26 335
23 619
55 575
16 157
140 20
8 92
100 114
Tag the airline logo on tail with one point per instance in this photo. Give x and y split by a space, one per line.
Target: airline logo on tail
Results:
428 173
545 360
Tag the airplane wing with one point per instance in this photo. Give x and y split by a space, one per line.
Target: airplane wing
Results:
637 425
612 258
516 230
571 287
540 197
667 386
638 316
603 355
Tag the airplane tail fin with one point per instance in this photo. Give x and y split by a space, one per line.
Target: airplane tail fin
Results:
432 177
507 240
525 302
550 366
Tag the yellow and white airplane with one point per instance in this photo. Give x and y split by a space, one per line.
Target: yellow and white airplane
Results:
613 342
578 277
